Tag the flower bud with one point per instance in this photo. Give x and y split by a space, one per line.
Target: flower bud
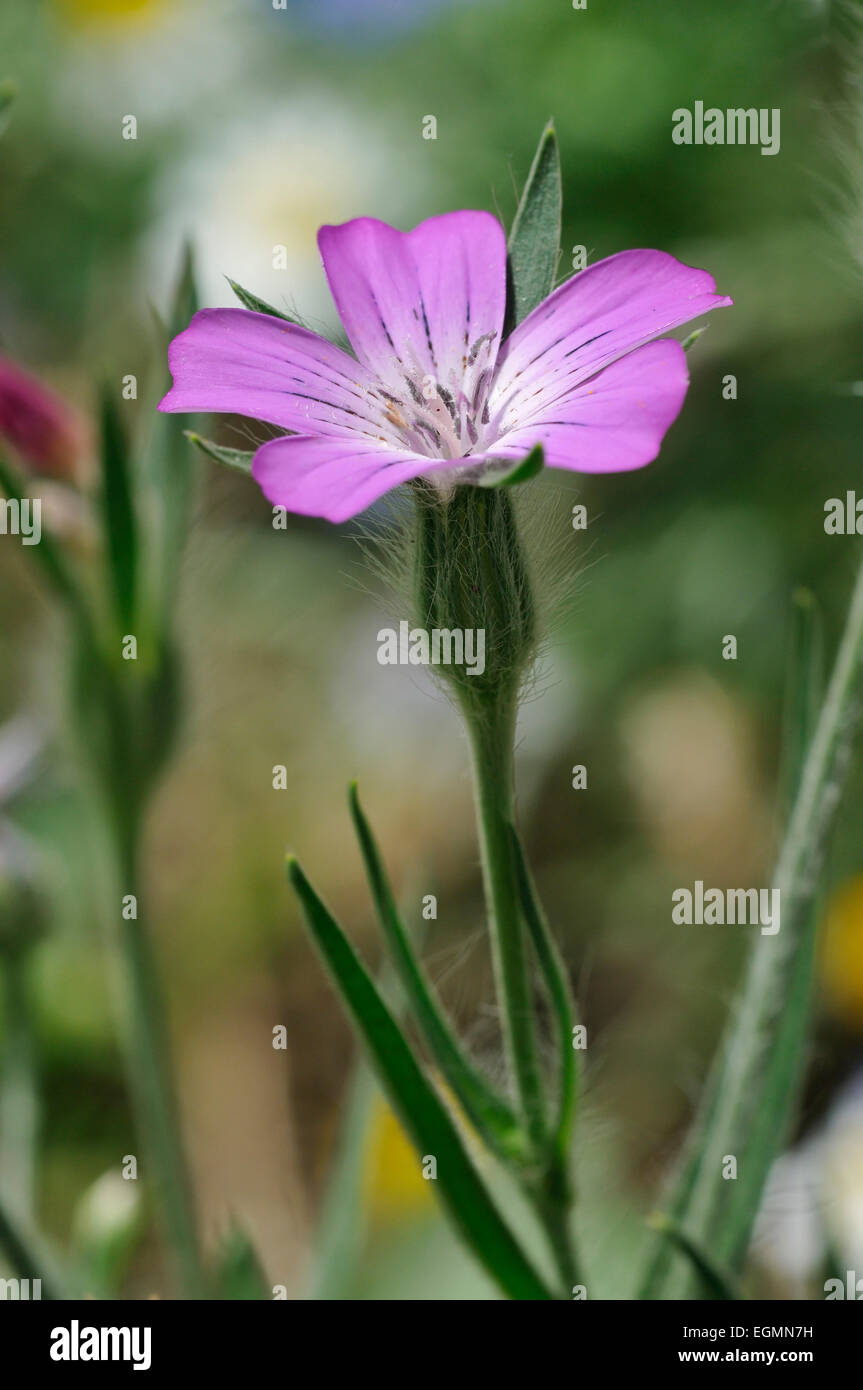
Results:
40 427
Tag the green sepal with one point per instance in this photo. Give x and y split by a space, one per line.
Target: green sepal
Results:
693 337
238 459
258 305
526 468
534 239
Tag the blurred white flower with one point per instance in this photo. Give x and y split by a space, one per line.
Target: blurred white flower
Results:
108 1208
119 59
270 180
813 1204
841 1175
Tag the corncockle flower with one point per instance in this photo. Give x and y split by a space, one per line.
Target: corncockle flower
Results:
434 390
437 396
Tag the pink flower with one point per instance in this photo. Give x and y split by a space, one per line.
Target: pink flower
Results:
38 425
433 391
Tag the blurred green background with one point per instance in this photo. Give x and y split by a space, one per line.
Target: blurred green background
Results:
254 126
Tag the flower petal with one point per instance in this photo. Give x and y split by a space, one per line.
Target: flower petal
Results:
426 303
269 369
615 421
333 478
591 320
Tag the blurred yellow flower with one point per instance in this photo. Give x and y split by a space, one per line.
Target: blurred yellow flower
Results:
393 1183
108 11
842 953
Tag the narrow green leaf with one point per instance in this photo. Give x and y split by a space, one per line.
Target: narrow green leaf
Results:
259 306
170 468
8 93
489 1114
717 1281
749 1098
184 303
534 239
238 459
562 1003
418 1105
118 512
804 691
343 1220
526 468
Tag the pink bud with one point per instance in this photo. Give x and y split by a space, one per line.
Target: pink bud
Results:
40 427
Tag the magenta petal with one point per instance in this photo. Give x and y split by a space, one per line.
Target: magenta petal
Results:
333 478
590 321
615 421
252 364
426 303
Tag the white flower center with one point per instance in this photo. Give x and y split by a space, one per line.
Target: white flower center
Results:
443 419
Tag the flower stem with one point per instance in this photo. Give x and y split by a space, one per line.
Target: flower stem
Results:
152 1086
554 1217
491 734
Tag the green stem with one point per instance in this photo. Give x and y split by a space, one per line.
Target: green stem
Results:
491 733
19 1106
151 1081
553 1210
554 973
554 1196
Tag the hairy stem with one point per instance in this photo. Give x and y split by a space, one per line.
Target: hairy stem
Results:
491 739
